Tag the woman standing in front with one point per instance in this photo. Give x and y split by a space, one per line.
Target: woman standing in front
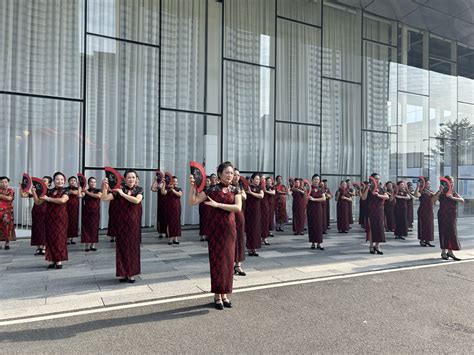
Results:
56 221
425 213
225 200
173 195
7 225
73 192
401 214
38 212
129 198
281 216
344 203
240 227
316 200
90 215
299 206
447 215
375 232
253 220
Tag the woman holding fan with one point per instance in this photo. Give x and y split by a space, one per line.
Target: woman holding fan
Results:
38 212
240 228
128 197
374 198
401 211
281 217
253 221
299 206
316 200
90 215
225 200
425 211
447 215
344 202
173 195
56 221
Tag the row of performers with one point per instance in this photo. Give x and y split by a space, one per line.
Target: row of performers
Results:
225 219
55 218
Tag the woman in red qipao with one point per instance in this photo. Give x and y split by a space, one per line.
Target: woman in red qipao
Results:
265 230
270 196
127 247
344 201
7 224
281 216
202 214
425 213
375 232
173 213
240 227
410 216
362 207
401 216
316 200
161 226
352 192
90 215
253 220
447 215
389 207
225 200
56 221
327 207
38 212
73 192
299 205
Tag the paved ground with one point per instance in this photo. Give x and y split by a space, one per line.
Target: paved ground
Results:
87 280
426 310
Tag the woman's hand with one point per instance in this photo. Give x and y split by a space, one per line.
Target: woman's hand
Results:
212 203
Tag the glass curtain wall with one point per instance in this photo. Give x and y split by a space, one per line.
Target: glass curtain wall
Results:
288 87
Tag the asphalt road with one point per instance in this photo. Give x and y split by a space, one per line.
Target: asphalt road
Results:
407 311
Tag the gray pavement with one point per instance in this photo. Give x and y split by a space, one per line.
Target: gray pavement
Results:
88 279
424 310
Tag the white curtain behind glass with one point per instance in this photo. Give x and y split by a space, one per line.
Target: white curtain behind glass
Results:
248 116
183 51
40 53
298 72
341 141
341 43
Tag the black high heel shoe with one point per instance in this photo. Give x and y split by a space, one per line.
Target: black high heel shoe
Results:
226 303
239 272
378 251
452 256
218 304
372 250
428 244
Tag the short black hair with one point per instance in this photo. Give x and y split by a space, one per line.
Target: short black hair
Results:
5 178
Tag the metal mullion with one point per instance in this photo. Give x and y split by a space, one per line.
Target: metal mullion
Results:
297 21
84 92
189 111
343 80
378 42
123 39
49 97
299 123
248 63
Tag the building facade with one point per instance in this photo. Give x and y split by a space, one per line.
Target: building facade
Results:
283 87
